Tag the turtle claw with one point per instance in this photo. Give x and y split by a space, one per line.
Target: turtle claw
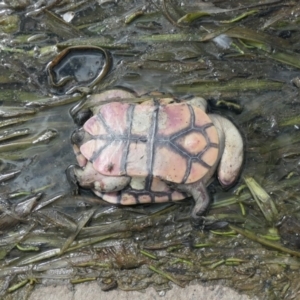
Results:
207 223
197 221
71 177
197 218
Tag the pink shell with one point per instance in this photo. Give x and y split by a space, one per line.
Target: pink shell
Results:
174 142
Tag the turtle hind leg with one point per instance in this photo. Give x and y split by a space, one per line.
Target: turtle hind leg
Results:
199 192
231 147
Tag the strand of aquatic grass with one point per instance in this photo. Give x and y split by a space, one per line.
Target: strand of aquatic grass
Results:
13 121
76 6
290 121
43 137
252 236
56 252
229 262
20 284
285 140
230 86
21 193
54 101
181 260
8 175
84 218
102 42
115 228
9 242
93 263
11 111
129 225
283 260
171 17
234 199
286 57
202 245
263 200
240 17
49 201
242 33
175 37
174 67
133 16
165 244
49 239
89 241
81 280
14 238
166 275
27 248
259 40
190 17
59 219
224 233
11 215
58 26
11 134
46 53
148 254
158 217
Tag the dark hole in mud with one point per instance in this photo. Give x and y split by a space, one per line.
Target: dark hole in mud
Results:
81 65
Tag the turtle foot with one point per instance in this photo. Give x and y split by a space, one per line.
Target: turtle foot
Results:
197 222
198 191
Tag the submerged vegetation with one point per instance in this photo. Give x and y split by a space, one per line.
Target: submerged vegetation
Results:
243 57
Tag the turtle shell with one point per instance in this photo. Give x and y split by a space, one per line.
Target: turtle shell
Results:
175 142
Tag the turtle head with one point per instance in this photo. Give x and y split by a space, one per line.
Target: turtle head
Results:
81 116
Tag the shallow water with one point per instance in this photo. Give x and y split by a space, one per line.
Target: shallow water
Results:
256 76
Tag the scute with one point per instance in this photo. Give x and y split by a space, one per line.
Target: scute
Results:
94 126
89 148
209 157
110 161
114 116
193 142
197 170
137 157
141 119
168 164
172 118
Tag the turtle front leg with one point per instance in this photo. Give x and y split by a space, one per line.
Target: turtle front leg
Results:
88 177
199 192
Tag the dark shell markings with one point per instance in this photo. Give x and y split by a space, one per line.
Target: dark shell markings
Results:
154 152
123 146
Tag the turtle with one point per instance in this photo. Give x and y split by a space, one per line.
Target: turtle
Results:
156 151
